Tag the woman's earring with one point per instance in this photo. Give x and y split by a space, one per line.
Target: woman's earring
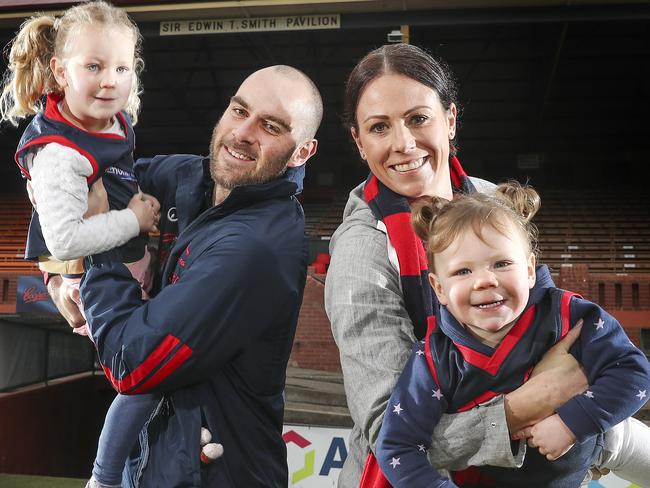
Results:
363 155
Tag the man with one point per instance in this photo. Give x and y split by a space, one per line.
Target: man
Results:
216 339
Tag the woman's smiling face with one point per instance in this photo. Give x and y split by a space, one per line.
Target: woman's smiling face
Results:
403 133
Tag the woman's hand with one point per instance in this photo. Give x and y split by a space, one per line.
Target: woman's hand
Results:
558 358
556 378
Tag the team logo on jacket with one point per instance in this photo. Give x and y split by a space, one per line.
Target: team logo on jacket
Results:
171 214
122 174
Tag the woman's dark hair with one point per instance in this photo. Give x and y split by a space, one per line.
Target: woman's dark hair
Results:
401 59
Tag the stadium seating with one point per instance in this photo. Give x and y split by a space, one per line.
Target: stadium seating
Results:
608 230
15 214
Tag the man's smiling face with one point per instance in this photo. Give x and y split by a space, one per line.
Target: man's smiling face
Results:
255 138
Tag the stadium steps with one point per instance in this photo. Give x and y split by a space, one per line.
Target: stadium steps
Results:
315 398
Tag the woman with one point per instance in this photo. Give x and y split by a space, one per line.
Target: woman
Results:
402 114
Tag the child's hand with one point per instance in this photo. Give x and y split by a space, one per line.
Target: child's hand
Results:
147 211
552 437
97 199
156 208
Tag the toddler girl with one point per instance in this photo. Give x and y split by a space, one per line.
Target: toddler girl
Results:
498 315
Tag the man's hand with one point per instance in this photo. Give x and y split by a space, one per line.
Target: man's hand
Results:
555 379
97 199
552 437
63 296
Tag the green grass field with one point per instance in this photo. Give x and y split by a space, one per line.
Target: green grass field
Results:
23 481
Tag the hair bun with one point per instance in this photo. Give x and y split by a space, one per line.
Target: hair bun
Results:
425 213
523 199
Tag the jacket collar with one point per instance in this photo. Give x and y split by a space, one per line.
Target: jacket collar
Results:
288 184
543 281
195 187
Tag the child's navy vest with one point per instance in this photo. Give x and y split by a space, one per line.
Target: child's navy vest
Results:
467 378
111 156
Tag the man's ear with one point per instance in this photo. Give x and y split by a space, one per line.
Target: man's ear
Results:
303 153
437 288
58 70
531 270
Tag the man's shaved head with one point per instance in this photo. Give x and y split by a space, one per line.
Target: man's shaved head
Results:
312 104
268 126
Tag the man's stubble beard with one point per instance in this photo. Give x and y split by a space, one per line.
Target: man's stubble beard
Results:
267 171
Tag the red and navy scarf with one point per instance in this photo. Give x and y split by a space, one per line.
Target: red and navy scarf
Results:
394 211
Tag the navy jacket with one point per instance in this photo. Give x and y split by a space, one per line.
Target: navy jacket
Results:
216 339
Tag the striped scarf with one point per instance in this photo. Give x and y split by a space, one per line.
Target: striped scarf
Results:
394 211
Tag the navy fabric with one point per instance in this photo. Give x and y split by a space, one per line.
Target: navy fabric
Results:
216 339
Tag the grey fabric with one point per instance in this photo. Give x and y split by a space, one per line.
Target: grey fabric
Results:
627 451
374 334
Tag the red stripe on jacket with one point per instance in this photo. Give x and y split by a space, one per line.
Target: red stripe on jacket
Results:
431 327
179 357
153 361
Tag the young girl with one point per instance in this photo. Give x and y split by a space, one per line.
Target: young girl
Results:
87 64
498 314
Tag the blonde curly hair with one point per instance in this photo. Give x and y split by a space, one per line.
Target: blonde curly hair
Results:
439 222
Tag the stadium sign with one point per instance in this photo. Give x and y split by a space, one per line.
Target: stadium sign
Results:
315 456
250 24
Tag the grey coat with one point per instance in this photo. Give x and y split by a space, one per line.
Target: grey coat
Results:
370 324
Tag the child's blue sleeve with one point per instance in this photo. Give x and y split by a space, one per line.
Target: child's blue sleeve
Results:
413 411
618 373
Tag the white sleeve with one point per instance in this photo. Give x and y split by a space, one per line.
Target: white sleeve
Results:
59 180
